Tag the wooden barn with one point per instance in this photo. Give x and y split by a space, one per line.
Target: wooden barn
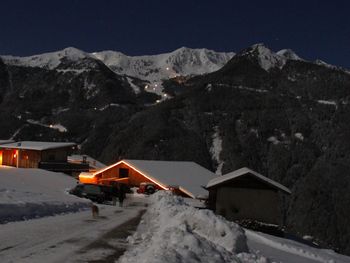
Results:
32 154
246 194
184 178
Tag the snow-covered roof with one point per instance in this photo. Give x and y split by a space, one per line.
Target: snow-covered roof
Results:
188 176
243 171
91 161
6 141
39 146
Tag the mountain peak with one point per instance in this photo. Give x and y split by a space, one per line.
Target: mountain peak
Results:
266 58
288 54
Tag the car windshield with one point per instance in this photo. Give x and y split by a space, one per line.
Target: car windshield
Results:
92 189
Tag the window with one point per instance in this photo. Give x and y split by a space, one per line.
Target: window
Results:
123 172
51 157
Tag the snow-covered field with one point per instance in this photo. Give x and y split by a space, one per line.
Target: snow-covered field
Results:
33 193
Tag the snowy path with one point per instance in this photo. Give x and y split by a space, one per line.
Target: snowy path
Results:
289 251
68 238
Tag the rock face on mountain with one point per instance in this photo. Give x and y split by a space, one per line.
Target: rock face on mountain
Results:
274 112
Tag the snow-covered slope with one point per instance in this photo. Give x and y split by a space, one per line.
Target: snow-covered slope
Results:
288 54
31 193
47 60
183 61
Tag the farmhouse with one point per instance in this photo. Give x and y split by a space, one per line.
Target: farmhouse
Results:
46 155
246 194
184 178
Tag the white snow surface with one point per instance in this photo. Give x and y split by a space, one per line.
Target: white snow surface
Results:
299 136
71 238
328 102
216 149
36 145
49 60
288 54
91 161
172 231
56 126
278 249
183 61
31 193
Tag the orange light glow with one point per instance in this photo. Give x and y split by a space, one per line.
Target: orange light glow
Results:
142 173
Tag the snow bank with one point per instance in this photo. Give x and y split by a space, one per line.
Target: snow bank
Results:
173 231
33 193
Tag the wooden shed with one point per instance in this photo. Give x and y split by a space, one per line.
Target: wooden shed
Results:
34 154
184 178
246 194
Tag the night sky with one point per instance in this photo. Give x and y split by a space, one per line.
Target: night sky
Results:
313 29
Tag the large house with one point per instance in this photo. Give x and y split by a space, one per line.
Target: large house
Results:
46 155
245 194
184 178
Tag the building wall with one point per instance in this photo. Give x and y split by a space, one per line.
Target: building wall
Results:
134 178
8 157
248 203
54 155
29 159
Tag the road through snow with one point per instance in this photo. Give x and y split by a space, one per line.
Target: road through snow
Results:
74 237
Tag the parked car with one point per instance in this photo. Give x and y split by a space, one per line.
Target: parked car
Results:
147 188
94 192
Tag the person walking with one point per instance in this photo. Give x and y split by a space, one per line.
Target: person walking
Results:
121 195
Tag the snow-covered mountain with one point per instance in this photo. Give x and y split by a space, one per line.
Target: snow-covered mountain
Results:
50 60
154 68
183 61
268 59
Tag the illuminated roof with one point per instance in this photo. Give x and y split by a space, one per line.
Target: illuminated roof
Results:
39 146
188 176
241 172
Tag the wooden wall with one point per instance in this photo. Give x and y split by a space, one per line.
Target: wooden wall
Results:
134 178
8 157
31 158
55 155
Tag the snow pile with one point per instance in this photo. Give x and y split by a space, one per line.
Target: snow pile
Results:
173 231
31 193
